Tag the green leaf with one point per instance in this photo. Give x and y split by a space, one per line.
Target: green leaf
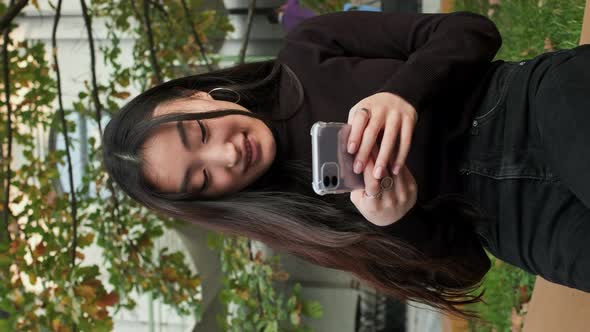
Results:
261 325
272 327
5 325
295 318
214 241
104 326
85 240
312 309
291 302
86 272
5 261
248 326
297 289
4 244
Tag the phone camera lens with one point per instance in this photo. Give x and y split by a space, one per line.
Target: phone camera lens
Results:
326 181
334 180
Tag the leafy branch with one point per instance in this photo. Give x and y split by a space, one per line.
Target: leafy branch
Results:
64 127
95 97
249 20
150 35
49 229
249 281
6 78
13 10
189 21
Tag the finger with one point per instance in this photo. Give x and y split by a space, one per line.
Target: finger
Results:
404 145
400 188
356 196
372 185
392 157
411 186
367 143
374 153
387 145
358 119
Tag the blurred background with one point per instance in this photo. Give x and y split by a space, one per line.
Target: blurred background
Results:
76 254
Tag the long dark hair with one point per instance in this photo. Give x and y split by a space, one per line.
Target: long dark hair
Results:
432 255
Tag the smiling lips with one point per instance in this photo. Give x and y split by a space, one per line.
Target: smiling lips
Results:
248 157
252 152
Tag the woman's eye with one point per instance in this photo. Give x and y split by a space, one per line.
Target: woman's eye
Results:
203 131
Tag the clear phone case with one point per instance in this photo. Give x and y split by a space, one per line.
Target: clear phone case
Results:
331 164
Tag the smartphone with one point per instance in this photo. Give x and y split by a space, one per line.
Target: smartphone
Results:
332 165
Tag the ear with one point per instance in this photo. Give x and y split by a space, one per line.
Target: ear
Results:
201 95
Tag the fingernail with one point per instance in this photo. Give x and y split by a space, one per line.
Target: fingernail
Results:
358 166
396 170
351 147
378 173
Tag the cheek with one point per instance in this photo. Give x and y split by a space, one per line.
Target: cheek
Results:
226 182
267 142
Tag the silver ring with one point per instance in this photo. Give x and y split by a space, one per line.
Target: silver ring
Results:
377 195
366 111
386 183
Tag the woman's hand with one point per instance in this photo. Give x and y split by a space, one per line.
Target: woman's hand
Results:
392 204
388 112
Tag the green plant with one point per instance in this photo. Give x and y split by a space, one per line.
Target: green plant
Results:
324 6
531 27
47 281
506 288
248 281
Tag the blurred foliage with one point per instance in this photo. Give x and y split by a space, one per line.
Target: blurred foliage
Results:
248 285
507 289
43 287
324 6
528 28
531 27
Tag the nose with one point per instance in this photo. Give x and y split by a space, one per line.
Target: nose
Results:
224 155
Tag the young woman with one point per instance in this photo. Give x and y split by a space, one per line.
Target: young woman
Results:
491 162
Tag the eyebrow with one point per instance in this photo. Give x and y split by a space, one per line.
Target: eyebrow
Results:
185 180
182 134
189 172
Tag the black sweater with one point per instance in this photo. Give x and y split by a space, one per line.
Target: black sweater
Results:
439 63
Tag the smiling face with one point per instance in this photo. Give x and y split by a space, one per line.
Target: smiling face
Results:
211 157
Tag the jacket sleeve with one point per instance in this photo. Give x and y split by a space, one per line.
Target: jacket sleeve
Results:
440 52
